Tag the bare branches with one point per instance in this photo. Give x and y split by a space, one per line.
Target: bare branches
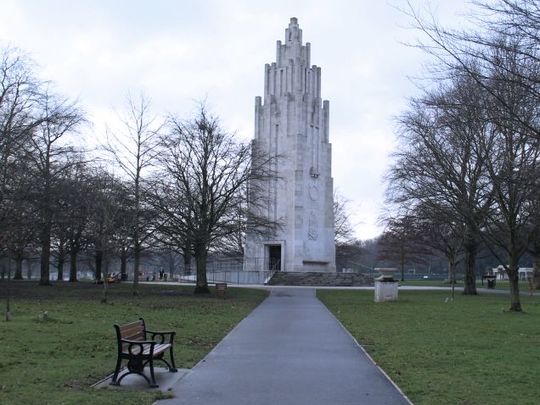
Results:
343 231
135 150
207 184
471 145
134 147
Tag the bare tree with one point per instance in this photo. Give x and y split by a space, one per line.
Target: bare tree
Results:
343 230
51 155
441 163
454 50
19 99
74 190
512 166
534 232
135 149
399 244
17 215
19 107
501 58
171 231
440 230
350 254
206 172
106 213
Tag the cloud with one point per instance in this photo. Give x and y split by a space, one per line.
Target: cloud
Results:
179 53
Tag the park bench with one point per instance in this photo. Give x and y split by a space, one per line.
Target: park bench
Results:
221 288
114 278
140 347
491 280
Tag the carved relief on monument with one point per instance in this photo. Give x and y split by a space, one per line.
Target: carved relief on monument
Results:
313 192
313 231
299 220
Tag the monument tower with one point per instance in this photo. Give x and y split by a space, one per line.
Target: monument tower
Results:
291 124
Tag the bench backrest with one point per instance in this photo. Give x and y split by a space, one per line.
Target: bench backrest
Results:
221 286
131 331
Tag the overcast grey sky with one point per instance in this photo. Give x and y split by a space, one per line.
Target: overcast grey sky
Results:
184 51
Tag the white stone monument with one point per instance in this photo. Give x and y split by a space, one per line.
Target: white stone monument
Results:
291 124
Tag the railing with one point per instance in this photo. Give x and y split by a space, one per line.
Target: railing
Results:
233 277
235 270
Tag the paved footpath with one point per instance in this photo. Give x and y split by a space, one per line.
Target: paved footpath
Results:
289 350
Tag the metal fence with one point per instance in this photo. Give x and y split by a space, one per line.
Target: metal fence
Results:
232 270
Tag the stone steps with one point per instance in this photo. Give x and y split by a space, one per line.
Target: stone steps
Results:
321 279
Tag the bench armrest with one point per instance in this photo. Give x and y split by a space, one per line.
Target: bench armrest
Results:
163 337
141 342
136 347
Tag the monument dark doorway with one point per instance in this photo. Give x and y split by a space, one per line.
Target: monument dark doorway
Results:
274 257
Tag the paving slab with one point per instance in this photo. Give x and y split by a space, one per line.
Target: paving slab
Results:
164 378
289 350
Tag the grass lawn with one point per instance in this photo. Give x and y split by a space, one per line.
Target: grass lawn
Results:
55 361
471 351
499 284
505 285
430 283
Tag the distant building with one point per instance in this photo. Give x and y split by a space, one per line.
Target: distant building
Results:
524 273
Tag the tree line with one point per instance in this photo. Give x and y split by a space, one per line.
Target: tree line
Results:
179 184
465 175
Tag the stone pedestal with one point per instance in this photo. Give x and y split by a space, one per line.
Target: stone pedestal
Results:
386 291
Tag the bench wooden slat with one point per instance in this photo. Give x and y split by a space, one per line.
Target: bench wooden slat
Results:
159 348
131 329
139 335
127 325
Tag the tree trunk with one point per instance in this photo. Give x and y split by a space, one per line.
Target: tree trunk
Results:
123 266
536 274
45 254
73 265
18 266
105 282
513 277
136 233
201 256
136 265
29 269
187 260
470 264
171 265
8 291
452 276
402 257
99 262
60 263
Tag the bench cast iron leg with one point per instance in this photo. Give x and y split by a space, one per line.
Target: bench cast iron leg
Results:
116 372
153 384
172 369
